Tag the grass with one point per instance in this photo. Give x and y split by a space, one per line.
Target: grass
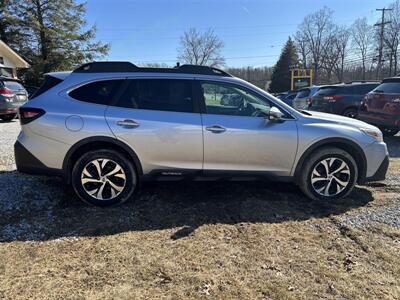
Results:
205 240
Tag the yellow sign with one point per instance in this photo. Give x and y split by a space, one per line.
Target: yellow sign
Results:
301 78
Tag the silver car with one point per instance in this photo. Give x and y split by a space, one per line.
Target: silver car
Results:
301 101
107 126
12 96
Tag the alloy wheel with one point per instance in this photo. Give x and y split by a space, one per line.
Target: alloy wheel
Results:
330 176
103 179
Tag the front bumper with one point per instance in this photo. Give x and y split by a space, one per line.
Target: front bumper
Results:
27 163
380 174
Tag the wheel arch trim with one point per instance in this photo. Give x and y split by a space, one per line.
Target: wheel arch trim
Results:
342 143
67 166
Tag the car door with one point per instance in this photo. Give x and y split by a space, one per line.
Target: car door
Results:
157 118
240 137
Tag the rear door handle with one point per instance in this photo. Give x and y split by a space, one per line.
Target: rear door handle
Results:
216 129
127 123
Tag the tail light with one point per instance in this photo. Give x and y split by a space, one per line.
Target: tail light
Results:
333 98
27 115
309 101
6 92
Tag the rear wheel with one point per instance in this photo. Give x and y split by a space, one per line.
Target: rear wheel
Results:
329 173
104 177
8 118
350 113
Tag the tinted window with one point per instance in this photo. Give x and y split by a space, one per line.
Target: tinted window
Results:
389 88
49 82
226 99
99 92
158 94
303 93
331 90
362 89
13 85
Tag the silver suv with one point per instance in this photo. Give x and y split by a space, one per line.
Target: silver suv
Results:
107 126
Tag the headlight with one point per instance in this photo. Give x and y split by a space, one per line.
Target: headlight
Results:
376 134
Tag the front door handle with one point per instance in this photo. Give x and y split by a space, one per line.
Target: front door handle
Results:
216 129
127 123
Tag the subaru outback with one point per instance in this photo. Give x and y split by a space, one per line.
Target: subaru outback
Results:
107 126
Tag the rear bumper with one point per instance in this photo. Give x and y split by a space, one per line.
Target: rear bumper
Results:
380 174
27 163
9 107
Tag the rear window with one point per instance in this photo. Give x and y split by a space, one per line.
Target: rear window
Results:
158 94
388 88
303 93
13 85
49 82
329 90
361 89
99 92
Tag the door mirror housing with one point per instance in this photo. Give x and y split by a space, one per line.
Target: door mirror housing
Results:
275 114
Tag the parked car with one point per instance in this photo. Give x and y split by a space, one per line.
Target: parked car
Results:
288 97
231 100
341 99
107 126
12 96
303 97
381 106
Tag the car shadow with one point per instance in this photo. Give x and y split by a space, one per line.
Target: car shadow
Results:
39 208
393 145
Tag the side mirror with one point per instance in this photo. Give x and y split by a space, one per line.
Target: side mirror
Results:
275 114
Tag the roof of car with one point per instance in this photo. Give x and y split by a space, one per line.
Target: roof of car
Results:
391 79
125 66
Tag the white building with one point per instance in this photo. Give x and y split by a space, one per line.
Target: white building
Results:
10 61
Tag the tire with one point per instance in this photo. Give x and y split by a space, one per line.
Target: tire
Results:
389 131
350 113
8 118
310 178
104 190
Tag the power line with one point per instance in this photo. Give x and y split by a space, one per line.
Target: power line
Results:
382 31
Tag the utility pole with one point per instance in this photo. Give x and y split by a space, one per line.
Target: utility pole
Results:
381 37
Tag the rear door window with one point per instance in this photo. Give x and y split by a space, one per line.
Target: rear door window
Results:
303 93
158 94
362 89
388 88
99 92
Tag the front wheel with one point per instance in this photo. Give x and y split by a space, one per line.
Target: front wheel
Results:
8 118
104 177
329 173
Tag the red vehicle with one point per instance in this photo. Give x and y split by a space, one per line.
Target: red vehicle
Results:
381 106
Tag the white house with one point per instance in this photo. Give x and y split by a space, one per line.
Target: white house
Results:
10 61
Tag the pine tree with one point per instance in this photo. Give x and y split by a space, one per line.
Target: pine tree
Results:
280 79
54 37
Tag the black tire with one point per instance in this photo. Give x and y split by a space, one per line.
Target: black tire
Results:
8 118
389 131
350 113
304 178
125 179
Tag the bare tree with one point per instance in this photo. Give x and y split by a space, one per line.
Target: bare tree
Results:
341 41
362 39
392 37
202 49
316 32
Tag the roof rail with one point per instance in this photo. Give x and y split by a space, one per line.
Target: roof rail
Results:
125 66
362 81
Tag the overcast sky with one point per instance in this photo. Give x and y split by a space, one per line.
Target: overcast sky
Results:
253 31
